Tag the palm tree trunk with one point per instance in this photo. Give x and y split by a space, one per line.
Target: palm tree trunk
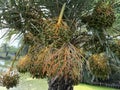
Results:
60 84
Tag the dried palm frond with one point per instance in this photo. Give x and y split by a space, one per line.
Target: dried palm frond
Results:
36 70
24 64
65 62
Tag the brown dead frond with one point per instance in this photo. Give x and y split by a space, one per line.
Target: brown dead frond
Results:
66 61
36 68
24 64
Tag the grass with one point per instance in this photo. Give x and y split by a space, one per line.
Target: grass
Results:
90 87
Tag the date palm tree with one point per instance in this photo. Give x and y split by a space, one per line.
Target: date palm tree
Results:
60 46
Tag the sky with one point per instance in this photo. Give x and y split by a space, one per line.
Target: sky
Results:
12 41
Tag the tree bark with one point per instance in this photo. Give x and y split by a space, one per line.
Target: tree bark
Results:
57 83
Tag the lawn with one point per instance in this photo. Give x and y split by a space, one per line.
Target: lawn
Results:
90 87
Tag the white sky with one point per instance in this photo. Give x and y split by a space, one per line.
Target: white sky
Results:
12 41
